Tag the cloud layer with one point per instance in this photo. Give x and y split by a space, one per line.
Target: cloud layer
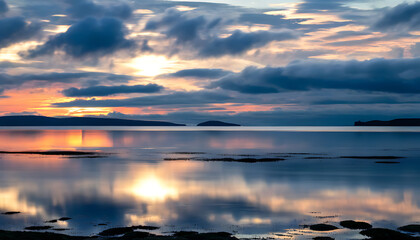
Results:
111 90
392 76
89 37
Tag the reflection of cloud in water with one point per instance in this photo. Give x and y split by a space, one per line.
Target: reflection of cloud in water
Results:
134 186
274 201
241 143
10 200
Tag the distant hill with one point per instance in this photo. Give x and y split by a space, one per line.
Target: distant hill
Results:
76 121
217 124
396 122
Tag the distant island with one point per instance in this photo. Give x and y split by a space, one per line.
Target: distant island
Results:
409 122
217 124
76 121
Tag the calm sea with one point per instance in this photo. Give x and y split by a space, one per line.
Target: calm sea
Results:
133 184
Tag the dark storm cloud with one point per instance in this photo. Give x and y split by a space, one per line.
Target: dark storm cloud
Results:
177 25
89 37
200 34
87 8
240 42
16 29
3 7
321 5
404 16
6 79
363 100
177 98
111 90
393 76
203 73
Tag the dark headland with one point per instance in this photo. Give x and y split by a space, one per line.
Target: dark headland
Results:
217 124
76 121
409 122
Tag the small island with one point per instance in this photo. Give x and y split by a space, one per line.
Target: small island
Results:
217 124
30 120
404 122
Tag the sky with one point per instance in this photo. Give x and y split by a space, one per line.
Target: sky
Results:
265 62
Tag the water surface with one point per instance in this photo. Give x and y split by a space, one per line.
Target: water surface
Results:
133 184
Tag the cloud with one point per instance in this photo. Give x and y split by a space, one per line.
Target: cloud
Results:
16 29
202 73
4 8
276 21
200 34
310 6
415 50
345 34
177 98
177 25
6 79
404 16
145 46
87 8
89 37
111 90
240 42
382 75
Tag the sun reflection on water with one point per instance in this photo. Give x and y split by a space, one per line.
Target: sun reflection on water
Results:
153 189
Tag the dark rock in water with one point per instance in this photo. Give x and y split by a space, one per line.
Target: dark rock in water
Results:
350 224
9 235
188 153
322 227
323 238
60 229
385 234
64 219
413 228
243 160
10 213
102 224
116 231
136 235
37 228
178 159
387 162
52 221
217 124
372 157
124 230
145 227
204 236
185 233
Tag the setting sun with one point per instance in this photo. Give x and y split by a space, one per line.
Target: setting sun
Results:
151 65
